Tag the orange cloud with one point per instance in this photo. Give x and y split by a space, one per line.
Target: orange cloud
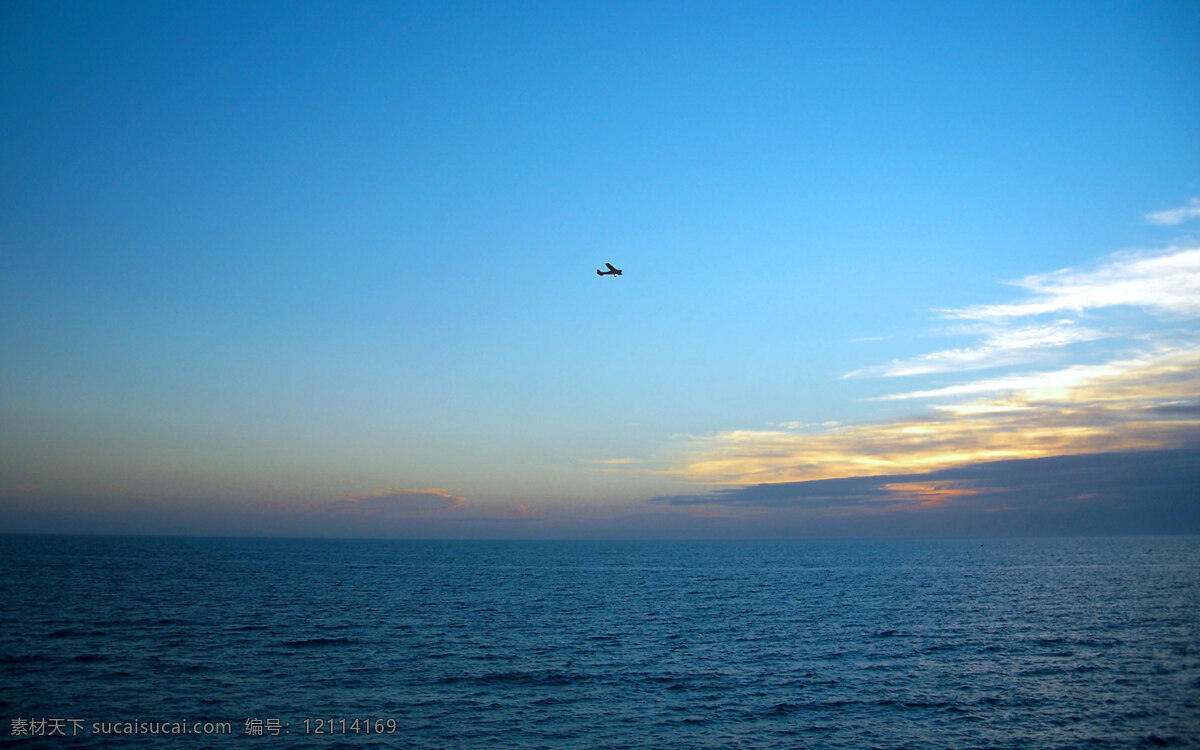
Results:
1148 402
1146 398
922 495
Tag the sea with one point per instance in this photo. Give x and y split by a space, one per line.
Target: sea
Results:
177 642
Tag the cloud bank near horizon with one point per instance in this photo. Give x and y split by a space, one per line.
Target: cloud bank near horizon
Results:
1150 492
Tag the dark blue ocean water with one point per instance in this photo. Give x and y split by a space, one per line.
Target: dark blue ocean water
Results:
905 644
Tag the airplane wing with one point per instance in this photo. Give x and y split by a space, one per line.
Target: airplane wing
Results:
611 267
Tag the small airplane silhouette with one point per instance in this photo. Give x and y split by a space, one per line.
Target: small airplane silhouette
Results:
612 271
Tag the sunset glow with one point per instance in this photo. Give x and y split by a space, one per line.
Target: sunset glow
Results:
331 270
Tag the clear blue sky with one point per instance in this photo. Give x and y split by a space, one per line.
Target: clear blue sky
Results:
329 267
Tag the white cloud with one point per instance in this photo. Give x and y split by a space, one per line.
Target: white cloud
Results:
1139 391
1164 282
1002 346
796 425
1057 385
1174 216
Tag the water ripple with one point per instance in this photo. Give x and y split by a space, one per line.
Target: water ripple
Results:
1023 643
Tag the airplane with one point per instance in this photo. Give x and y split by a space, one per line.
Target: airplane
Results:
612 271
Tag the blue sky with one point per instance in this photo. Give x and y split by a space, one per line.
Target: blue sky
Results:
328 268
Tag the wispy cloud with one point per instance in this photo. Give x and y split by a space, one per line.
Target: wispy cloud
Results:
1141 392
1174 216
1163 282
1000 347
1174 369
1065 308
795 425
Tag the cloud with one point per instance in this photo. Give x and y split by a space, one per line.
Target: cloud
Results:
1138 403
396 502
1137 391
1162 282
1122 492
989 485
796 425
1001 346
1173 216
1164 373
